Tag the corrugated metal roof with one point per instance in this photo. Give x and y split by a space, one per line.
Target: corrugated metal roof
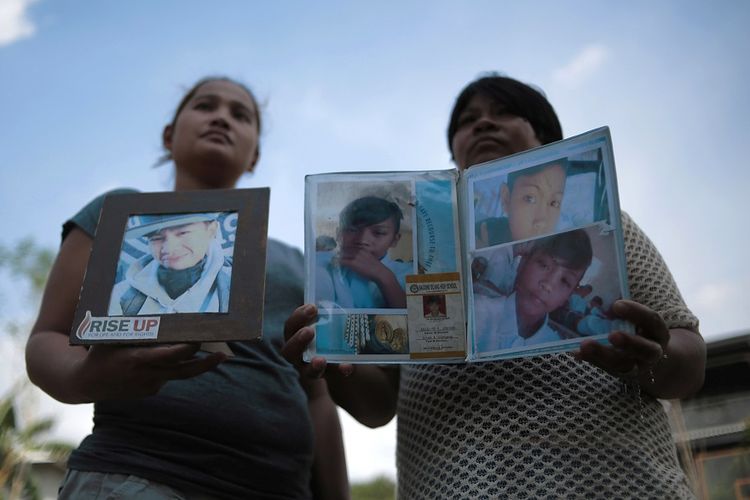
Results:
710 432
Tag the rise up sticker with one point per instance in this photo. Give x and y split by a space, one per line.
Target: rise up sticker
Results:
118 327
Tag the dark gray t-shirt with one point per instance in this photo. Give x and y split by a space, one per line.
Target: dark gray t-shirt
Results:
241 430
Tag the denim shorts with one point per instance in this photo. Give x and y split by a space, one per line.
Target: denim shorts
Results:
84 485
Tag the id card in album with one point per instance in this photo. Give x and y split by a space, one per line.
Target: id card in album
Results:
514 257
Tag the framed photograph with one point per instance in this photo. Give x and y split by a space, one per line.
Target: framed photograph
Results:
176 267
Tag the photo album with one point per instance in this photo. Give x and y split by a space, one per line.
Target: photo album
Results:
183 266
515 257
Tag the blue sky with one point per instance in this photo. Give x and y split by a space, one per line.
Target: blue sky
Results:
86 88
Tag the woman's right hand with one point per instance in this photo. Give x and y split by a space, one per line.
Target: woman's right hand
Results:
368 393
297 335
109 372
74 374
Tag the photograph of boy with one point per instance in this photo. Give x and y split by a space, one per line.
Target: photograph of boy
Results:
433 306
359 273
530 199
185 270
547 276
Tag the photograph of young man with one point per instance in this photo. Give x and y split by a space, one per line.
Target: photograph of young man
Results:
185 271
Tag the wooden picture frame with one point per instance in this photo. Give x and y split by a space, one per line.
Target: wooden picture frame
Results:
239 215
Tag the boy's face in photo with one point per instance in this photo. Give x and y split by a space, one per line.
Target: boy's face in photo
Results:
181 247
376 238
543 284
533 207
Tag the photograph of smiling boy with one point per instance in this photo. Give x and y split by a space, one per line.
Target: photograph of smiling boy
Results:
546 277
530 200
173 263
360 273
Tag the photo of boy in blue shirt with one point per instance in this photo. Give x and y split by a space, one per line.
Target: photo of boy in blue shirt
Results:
361 274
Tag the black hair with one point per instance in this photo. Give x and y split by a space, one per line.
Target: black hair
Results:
167 156
572 249
370 210
517 98
433 299
528 172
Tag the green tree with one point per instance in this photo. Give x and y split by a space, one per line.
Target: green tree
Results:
20 447
28 260
23 270
380 488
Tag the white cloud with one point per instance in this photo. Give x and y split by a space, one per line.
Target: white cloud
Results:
14 21
720 306
345 122
715 295
583 65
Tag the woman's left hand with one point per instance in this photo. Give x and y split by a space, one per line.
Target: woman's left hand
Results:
630 354
667 363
